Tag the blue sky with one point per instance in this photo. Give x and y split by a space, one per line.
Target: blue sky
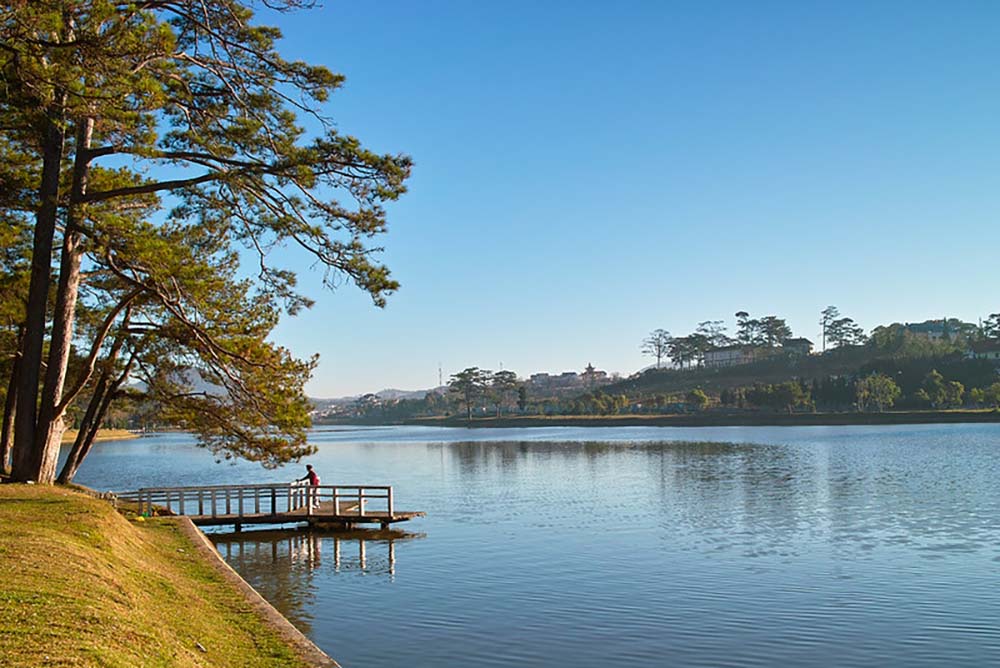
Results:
589 171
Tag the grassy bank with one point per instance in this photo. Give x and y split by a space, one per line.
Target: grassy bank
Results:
81 585
717 419
102 435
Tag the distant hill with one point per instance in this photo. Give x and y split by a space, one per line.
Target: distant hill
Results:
391 394
408 394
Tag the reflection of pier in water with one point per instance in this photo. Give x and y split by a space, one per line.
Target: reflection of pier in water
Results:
370 552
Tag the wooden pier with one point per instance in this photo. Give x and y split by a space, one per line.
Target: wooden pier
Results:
341 506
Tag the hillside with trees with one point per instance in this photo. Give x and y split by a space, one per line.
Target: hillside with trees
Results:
928 366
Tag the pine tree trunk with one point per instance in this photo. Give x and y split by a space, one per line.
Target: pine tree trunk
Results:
26 460
7 430
51 425
49 432
104 393
96 409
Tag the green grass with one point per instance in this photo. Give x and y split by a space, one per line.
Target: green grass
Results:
81 585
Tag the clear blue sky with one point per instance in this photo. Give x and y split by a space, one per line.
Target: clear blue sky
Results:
589 171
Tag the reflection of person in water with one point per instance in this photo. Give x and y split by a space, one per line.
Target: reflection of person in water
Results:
313 479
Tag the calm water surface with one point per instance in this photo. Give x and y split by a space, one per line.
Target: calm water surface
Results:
812 546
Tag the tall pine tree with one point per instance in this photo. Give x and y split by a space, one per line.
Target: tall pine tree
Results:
122 109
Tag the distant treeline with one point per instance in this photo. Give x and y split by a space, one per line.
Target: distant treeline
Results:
895 367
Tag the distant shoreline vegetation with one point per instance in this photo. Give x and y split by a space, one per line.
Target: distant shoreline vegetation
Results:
915 369
701 419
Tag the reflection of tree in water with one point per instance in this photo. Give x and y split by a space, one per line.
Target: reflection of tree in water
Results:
757 499
474 457
281 565
754 497
911 496
773 499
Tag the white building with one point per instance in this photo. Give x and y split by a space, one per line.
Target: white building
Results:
984 350
728 356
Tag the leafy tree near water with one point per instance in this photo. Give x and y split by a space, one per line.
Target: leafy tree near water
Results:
785 396
939 392
953 393
470 385
933 389
522 397
991 395
598 403
90 86
697 399
503 384
876 392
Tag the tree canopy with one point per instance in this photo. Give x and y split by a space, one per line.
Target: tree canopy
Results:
657 345
162 147
470 385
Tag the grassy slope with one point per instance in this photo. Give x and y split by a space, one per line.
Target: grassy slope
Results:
102 435
80 585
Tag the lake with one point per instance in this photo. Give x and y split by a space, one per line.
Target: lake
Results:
642 546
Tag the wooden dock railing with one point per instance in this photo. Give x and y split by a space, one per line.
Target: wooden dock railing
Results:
259 501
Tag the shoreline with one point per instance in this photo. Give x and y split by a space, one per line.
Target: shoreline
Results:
712 420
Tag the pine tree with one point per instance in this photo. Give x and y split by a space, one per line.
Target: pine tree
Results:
123 109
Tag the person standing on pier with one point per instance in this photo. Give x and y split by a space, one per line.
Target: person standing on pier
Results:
313 479
310 475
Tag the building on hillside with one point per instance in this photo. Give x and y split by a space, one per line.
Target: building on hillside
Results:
569 380
933 330
945 329
547 381
984 350
728 356
592 376
798 346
